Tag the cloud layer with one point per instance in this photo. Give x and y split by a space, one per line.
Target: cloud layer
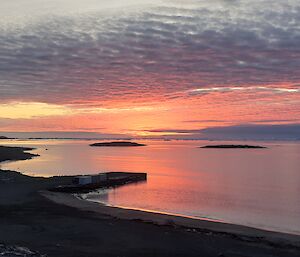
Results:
140 65
149 51
238 132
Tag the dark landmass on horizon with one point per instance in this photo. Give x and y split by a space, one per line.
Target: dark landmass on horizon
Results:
240 132
117 144
28 219
15 153
234 146
4 137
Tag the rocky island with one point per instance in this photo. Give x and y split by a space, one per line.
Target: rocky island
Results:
117 144
234 146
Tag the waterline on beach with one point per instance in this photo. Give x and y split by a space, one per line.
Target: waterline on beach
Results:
100 192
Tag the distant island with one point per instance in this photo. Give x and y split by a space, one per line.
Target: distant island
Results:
117 144
233 146
4 137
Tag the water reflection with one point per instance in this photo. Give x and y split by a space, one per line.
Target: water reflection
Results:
256 187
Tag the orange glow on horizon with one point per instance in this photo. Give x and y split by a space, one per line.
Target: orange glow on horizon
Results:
186 112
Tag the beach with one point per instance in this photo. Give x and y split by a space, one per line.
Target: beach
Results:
56 224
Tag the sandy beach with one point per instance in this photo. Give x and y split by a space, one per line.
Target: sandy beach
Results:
57 224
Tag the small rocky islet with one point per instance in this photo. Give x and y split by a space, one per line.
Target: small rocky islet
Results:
234 146
117 144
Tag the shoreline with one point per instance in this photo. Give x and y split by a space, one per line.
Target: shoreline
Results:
153 211
60 224
11 153
206 219
166 219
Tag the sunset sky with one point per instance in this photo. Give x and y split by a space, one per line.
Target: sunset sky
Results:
149 68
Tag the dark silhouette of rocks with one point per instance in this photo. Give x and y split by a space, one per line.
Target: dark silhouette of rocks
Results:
15 153
117 144
234 146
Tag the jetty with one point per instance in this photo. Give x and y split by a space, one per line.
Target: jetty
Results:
87 183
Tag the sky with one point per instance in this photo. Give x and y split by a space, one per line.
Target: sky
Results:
151 68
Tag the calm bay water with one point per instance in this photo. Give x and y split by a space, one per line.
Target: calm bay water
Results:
254 187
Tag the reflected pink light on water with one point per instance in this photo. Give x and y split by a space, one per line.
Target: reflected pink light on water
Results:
254 187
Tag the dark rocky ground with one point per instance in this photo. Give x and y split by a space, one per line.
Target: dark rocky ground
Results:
15 153
17 251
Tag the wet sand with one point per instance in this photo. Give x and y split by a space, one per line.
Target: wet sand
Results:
58 224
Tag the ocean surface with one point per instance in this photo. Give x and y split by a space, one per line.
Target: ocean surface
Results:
253 187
